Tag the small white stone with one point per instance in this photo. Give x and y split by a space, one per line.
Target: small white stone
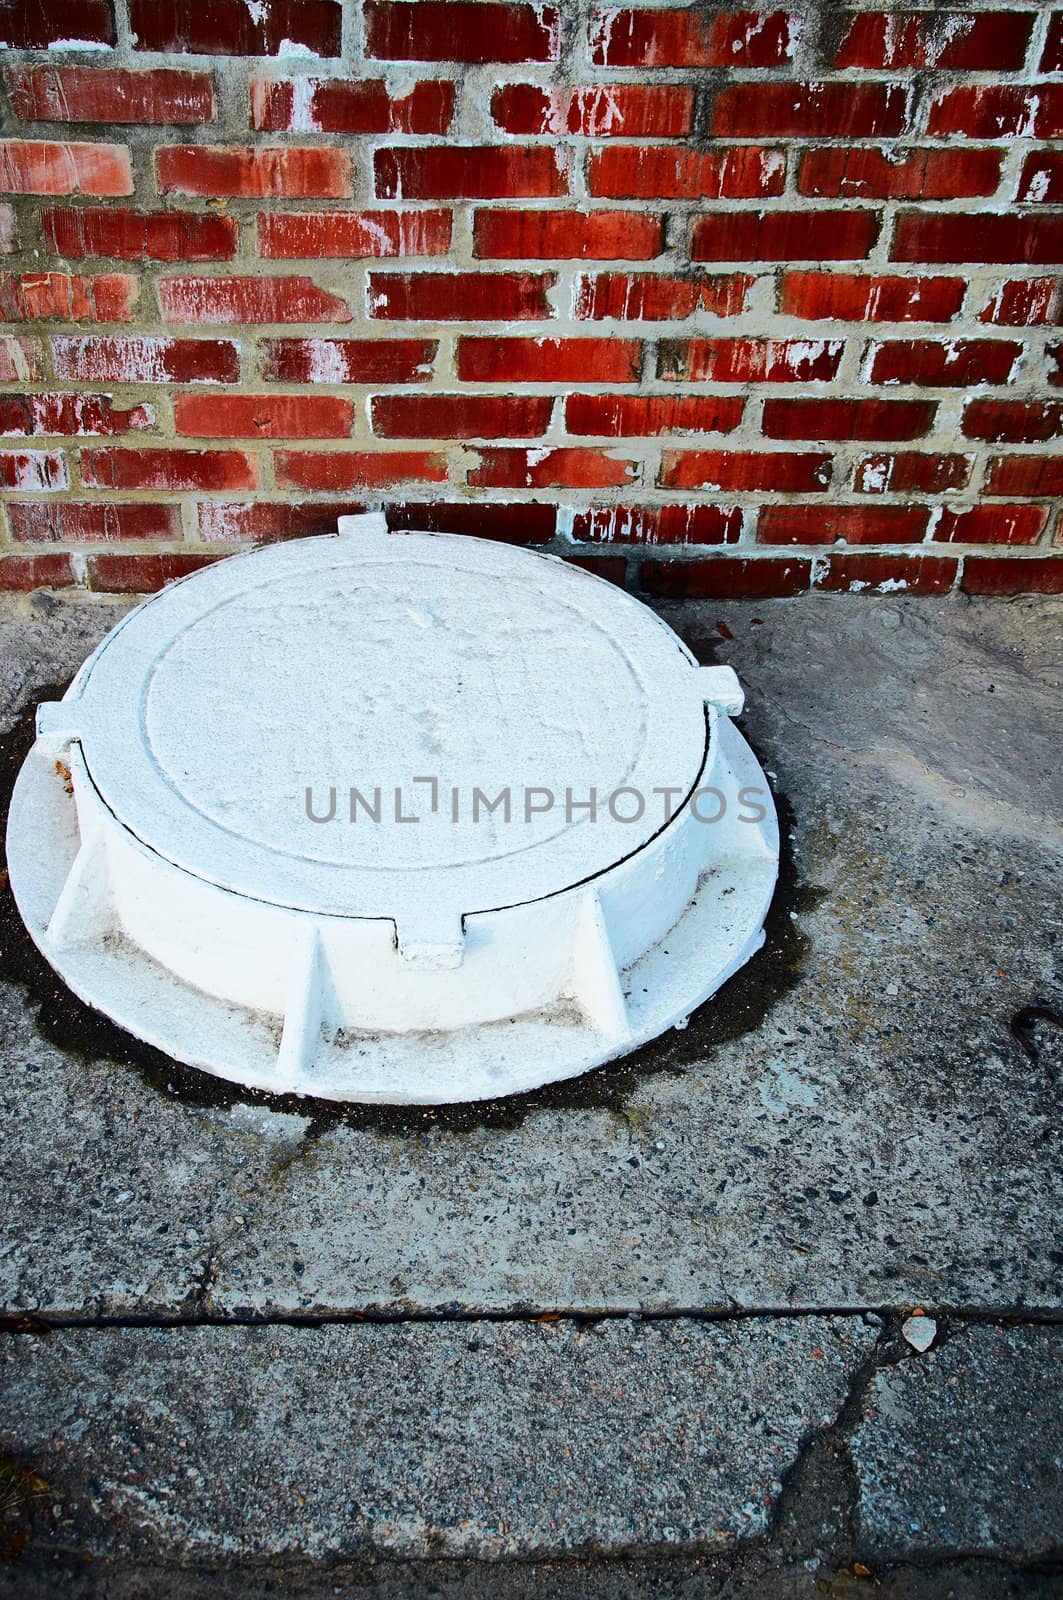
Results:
920 1332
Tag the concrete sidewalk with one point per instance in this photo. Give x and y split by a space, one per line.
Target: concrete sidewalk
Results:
636 1335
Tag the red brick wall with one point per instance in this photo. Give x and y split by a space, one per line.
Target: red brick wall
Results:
721 302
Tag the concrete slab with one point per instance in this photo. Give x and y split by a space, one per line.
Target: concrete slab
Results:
850 1124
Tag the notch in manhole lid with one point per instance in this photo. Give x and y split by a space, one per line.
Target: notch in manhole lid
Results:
400 818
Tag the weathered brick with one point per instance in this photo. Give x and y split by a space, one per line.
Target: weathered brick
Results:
1000 524
275 416
1034 475
35 27
303 236
460 416
42 471
890 174
145 358
20 359
1013 421
233 28
549 360
453 30
620 415
911 471
40 415
749 360
267 521
746 470
632 111
459 296
726 577
892 573
1041 179
357 469
568 235
1023 303
1004 575
820 110
998 111
110 94
92 521
138 235
36 296
568 468
643 172
348 360
25 572
480 172
845 297
690 37
349 105
248 300
526 523
784 235
847 419
1052 55
826 523
949 40
119 468
933 364
642 296
612 568
32 166
947 236
674 524
295 173
111 573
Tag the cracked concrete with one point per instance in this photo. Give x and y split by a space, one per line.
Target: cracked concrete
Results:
852 1128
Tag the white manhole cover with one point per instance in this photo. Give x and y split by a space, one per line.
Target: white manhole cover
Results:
406 817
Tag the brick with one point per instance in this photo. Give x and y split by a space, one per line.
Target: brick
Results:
349 235
138 235
549 360
248 300
568 235
749 360
847 419
818 110
998 111
1052 55
92 522
20 359
145 358
1034 475
37 296
784 235
514 524
110 94
460 416
872 174
480 172
886 574
726 578
233 28
40 415
348 360
111 573
647 298
349 105
948 237
1041 179
25 572
677 524
459 296
689 37
911 471
289 171
951 40
844 297
1023 303
616 110
551 469
745 470
1005 575
932 364
641 172
1013 421
991 524
268 521
357 469
451 30
35 27
612 568
824 523
619 415
245 416
32 470
30 166
117 468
